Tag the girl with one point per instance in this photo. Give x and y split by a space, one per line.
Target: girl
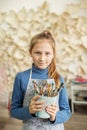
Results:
24 104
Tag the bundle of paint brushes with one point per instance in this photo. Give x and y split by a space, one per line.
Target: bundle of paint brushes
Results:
46 89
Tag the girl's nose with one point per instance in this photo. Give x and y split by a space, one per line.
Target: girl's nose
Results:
42 57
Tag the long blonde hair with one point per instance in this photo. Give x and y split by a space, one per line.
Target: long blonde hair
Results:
52 72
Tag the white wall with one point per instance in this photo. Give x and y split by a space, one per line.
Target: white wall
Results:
71 42
57 6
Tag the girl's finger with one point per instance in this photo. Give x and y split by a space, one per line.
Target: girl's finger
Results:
36 97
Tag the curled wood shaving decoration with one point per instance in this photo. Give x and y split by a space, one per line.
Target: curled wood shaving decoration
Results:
17 28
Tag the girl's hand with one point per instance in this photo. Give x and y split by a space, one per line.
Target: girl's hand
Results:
52 110
36 105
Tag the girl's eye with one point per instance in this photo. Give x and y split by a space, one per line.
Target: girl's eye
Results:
47 53
37 53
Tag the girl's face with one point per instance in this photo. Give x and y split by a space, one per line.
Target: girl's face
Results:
42 54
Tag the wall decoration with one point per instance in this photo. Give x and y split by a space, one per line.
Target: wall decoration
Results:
17 28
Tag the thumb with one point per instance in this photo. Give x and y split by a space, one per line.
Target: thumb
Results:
36 97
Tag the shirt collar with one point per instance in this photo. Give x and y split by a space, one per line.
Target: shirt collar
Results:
38 70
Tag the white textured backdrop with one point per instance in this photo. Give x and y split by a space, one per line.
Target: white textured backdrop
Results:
18 25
